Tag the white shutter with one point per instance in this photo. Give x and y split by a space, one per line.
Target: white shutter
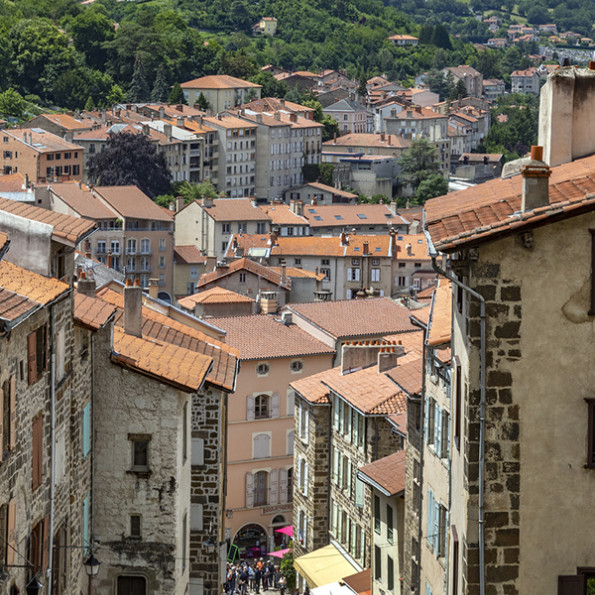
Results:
436 526
273 486
426 418
282 486
298 424
290 402
298 474
196 517
359 493
447 428
438 431
60 456
197 453
356 428
349 472
306 424
336 413
249 490
275 405
335 465
430 513
196 586
306 479
250 407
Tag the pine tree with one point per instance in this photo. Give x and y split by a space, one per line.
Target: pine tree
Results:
90 105
139 89
160 88
176 95
203 103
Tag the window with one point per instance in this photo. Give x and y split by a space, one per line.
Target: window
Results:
262 369
377 563
297 261
140 452
242 277
37 462
290 442
375 275
162 245
591 434
100 247
226 227
375 262
390 573
132 585
114 246
261 407
389 523
326 273
377 514
296 366
261 227
161 279
402 265
86 429
303 477
162 262
260 488
8 415
145 246
325 261
131 246
135 526
242 227
261 446
37 350
353 274
457 420
355 262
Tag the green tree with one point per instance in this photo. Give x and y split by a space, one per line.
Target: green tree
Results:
271 87
160 88
288 571
326 173
459 91
139 88
419 163
89 104
116 95
440 37
130 159
90 30
203 103
12 104
434 185
176 95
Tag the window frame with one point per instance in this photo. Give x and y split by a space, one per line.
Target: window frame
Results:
135 439
258 406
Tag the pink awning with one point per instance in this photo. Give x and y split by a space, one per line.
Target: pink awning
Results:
279 553
286 530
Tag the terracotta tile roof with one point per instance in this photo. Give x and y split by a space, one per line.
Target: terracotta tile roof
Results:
365 140
271 104
359 582
263 337
30 285
492 209
331 189
174 365
413 342
163 328
131 202
214 295
235 209
403 37
282 215
312 389
243 264
188 255
399 421
479 157
300 122
367 391
408 375
422 314
90 312
42 141
356 318
295 273
80 199
175 111
14 307
388 472
12 183
350 215
441 320
65 227
67 122
426 294
228 121
218 81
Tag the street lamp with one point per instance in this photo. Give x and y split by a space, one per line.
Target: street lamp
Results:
210 544
91 565
34 586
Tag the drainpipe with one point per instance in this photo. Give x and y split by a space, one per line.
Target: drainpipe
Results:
482 402
52 450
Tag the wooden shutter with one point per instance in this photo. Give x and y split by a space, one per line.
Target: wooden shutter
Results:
290 402
37 450
275 405
430 513
13 412
11 531
570 585
306 424
298 413
32 356
306 479
298 474
282 486
250 407
45 541
438 430
274 486
249 490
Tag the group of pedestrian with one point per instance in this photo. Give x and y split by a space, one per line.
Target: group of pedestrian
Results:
250 577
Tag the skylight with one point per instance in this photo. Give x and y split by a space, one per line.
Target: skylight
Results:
362 215
318 218
339 217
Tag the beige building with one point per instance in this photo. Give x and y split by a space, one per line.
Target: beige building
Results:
221 91
266 26
472 79
273 353
189 265
134 236
217 302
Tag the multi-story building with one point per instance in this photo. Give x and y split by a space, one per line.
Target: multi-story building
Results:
273 353
318 193
189 265
525 81
209 224
472 79
351 116
236 155
134 236
221 91
62 125
40 155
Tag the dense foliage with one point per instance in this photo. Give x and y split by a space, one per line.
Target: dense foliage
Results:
420 170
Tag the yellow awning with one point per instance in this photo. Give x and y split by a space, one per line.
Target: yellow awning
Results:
323 566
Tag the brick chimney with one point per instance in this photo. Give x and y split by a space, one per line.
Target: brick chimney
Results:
153 288
179 203
85 285
358 355
388 357
167 131
366 251
536 175
161 113
268 302
133 309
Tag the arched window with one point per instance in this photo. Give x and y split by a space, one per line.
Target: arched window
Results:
261 480
261 407
290 484
290 442
262 446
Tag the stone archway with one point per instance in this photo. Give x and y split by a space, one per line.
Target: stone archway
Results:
251 541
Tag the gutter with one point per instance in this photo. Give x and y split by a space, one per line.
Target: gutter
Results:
482 403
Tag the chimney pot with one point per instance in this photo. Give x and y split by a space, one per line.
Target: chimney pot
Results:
133 310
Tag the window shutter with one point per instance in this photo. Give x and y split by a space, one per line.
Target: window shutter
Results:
275 407
349 472
445 533
32 357
45 550
335 465
356 428
298 475
13 412
11 531
298 413
282 486
306 425
447 430
37 450
250 407
2 429
306 479
438 430
86 429
336 413
426 420
569 585
290 442
436 527
197 453
274 486
196 517
430 513
290 402
249 490
359 493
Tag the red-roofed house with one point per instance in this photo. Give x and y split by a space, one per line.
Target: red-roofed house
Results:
221 91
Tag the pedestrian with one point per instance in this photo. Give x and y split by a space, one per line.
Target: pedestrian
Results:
257 577
243 580
251 576
266 577
231 580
